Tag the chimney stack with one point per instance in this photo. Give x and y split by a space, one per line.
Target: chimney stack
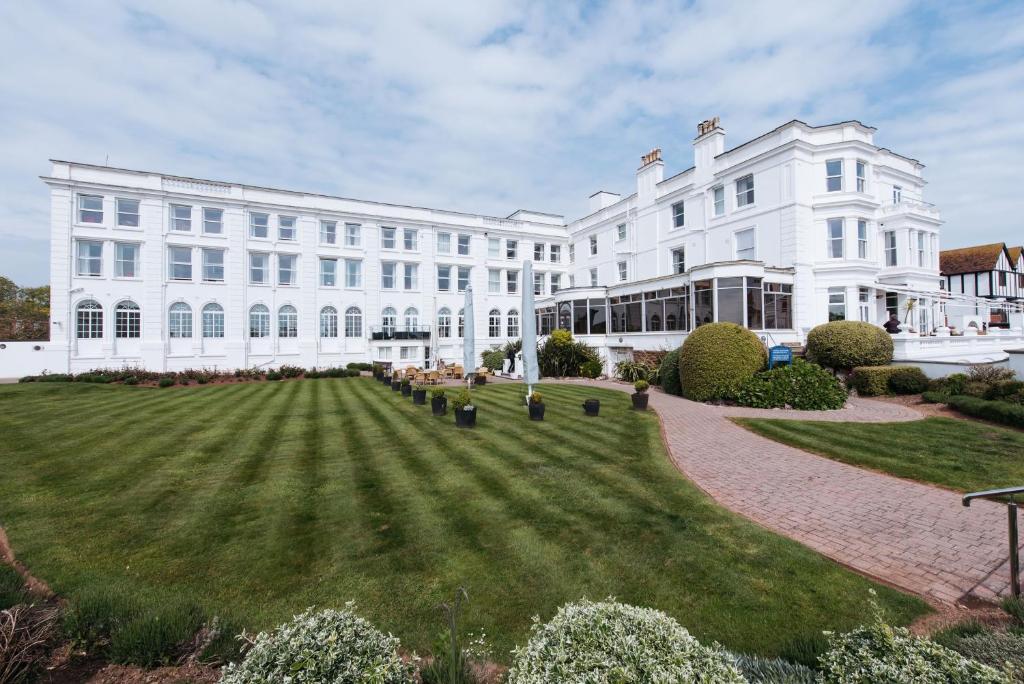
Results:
709 143
650 173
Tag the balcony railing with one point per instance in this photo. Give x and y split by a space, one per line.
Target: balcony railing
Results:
399 332
909 206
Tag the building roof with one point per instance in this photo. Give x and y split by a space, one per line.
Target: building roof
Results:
1014 254
975 259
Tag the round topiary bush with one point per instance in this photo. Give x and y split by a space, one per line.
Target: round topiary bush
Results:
842 345
668 372
322 646
716 358
802 386
614 642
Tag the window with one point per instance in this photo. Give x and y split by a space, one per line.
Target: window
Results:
384 353
572 253
180 263
493 248
353 322
861 176
90 209
623 271
718 195
286 269
889 240
179 321
835 238
494 323
259 225
388 320
259 321
213 320
328 322
328 272
259 268
213 221
387 238
444 243
555 252
287 321
387 275
1002 278
286 228
538 283
746 244
463 245
678 260
892 303
620 231
444 322
462 323
411 279
353 273
463 278
513 323
678 215
126 260
181 218
512 282
836 304
329 233
778 303
862 239
407 353
493 281
409 240
444 278
897 194
538 251
511 249
921 257
593 245
412 319
864 304
593 277
834 175
213 265
89 320
353 235
556 282
127 321
127 213
745 191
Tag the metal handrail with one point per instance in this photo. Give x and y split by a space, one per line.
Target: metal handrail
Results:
1005 495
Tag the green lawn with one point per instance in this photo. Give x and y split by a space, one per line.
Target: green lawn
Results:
963 455
258 500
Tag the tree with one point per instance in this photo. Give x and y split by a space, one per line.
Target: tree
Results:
24 311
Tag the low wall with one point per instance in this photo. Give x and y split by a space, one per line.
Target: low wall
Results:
18 359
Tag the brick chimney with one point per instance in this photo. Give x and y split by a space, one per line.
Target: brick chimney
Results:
650 173
709 143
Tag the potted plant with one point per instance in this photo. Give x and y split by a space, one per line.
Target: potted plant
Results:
640 395
536 406
396 382
406 387
438 402
465 412
419 395
385 377
591 406
479 378
378 370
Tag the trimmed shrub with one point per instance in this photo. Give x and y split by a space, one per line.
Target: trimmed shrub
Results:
561 356
949 385
288 371
760 670
131 380
668 372
614 642
1011 391
930 397
908 380
591 369
989 374
494 360
165 382
353 372
322 646
803 386
996 411
716 358
274 375
843 345
873 381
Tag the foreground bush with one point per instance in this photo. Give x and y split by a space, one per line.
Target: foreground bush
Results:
997 411
668 373
494 360
996 649
949 385
334 646
562 356
873 381
716 358
759 670
803 386
843 345
614 642
1010 390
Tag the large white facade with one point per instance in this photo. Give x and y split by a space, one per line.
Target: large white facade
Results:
781 233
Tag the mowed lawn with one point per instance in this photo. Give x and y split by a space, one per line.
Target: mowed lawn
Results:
258 500
958 454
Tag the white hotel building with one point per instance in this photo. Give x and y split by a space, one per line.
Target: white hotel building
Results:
798 226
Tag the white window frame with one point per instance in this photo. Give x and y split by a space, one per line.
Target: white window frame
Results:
741 252
87 214
176 251
678 260
410 277
259 223
494 320
259 321
889 248
212 320
512 323
120 210
444 242
745 196
718 200
181 218
213 221
862 239
444 273
287 233
679 214
621 232
833 178
511 249
328 274
328 232
293 271
264 268
287 322
388 273
464 244
88 259
512 282
493 248
328 322
120 261
593 277
836 296
353 235
353 322
461 282
127 320
388 237
862 175
835 243
555 253
89 320
210 268
897 194
623 271
179 321
353 273
410 240
493 281
593 245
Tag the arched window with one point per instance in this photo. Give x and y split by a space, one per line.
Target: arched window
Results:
412 319
328 322
213 320
179 320
513 323
353 322
462 323
287 321
127 320
89 320
655 323
259 321
494 323
388 320
670 320
444 322
565 316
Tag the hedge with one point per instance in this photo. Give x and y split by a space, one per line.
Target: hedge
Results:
668 373
872 381
716 358
843 345
996 411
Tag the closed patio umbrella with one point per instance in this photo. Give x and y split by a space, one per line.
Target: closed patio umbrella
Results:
531 373
468 336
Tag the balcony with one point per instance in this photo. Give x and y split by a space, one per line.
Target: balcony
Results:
909 207
399 332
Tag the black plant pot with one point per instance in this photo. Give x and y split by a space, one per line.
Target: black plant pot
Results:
419 397
406 390
439 406
591 407
536 411
480 379
465 417
396 386
640 401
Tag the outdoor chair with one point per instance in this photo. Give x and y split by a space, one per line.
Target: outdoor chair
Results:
457 372
433 377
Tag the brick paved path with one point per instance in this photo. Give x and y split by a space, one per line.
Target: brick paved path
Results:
914 536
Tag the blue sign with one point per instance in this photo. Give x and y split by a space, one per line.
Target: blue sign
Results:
780 354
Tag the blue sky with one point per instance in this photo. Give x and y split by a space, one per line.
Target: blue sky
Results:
489 106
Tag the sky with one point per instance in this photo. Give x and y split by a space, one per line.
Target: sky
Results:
488 106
